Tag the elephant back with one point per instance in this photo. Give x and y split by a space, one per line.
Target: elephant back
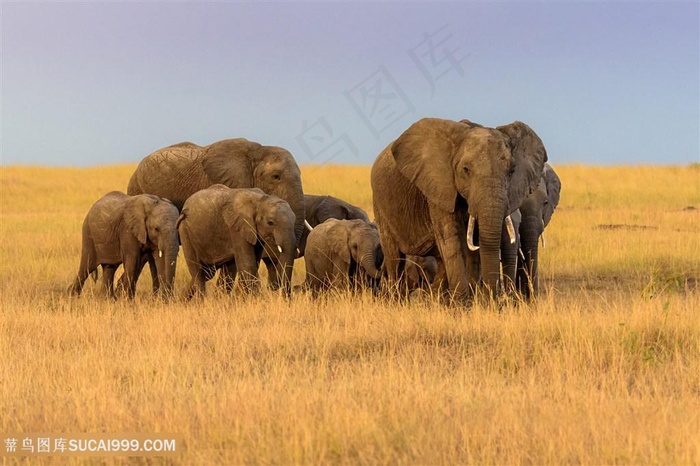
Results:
174 173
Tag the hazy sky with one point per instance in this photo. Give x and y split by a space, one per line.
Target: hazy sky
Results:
106 83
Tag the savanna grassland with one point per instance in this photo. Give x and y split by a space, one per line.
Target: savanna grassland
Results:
604 369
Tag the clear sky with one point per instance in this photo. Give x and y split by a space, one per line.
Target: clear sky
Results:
107 83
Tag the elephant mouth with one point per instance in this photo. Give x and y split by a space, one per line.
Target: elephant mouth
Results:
470 232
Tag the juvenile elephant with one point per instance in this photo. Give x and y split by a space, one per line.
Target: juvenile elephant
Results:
227 228
420 272
178 171
536 210
443 181
343 254
321 208
126 229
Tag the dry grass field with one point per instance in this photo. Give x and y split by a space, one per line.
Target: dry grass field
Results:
604 369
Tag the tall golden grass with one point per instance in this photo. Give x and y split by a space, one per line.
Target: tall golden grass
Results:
604 369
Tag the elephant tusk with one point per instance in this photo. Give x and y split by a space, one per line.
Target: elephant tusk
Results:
308 227
298 252
511 229
279 248
470 234
172 263
522 255
160 253
544 243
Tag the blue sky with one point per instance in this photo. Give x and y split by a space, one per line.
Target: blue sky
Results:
107 83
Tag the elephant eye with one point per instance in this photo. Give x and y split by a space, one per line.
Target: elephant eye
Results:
157 229
465 169
511 170
270 222
276 177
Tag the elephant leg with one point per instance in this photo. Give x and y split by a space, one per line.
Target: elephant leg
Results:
450 236
509 261
132 266
87 266
313 279
247 266
154 271
439 284
394 264
227 276
473 270
121 282
196 284
108 272
527 277
273 273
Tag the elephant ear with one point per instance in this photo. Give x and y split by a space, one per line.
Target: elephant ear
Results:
137 210
529 156
424 155
553 191
471 124
229 162
238 213
338 236
330 208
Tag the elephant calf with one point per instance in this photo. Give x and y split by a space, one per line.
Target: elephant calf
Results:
420 272
321 208
343 254
121 229
229 229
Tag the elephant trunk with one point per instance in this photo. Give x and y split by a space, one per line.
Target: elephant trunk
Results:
167 252
370 260
490 231
294 195
286 251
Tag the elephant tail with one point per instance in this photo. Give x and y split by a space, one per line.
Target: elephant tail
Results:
180 219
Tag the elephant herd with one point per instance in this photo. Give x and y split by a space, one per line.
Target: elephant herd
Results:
459 209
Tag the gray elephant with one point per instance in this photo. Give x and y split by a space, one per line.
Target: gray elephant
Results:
121 229
443 181
227 228
537 210
321 208
420 272
178 171
343 254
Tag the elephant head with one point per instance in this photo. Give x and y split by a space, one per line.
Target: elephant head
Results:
257 216
360 245
152 221
486 171
536 210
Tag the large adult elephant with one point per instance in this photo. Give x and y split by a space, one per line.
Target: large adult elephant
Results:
176 172
536 210
441 179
